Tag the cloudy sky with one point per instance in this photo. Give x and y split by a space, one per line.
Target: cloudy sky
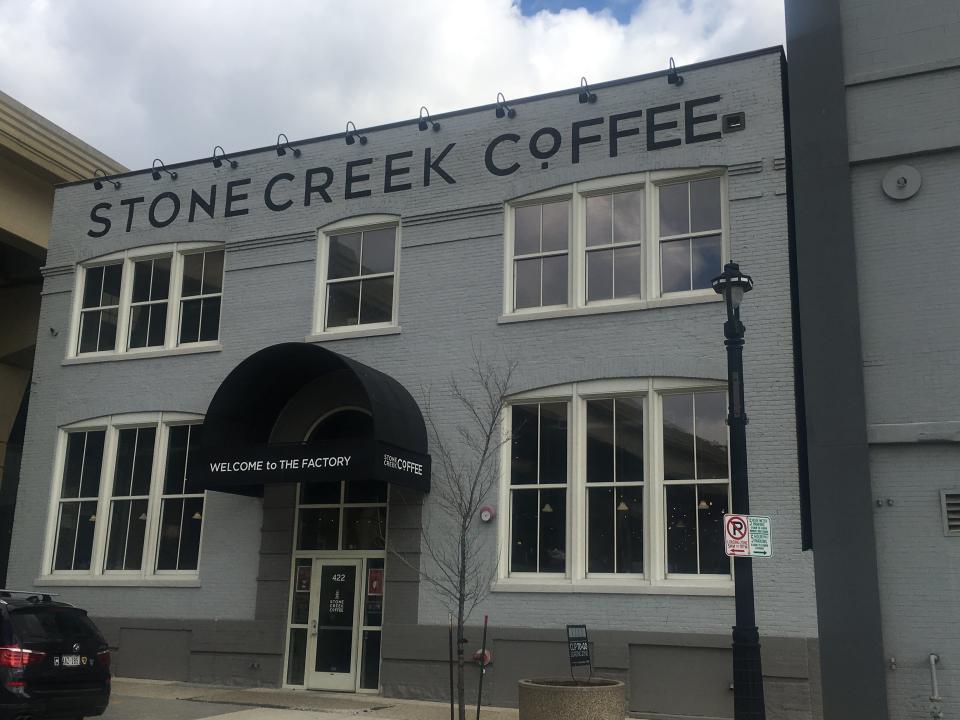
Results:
173 78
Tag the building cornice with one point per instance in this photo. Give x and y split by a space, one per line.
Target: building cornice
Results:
50 150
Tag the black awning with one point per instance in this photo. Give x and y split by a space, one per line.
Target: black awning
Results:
237 453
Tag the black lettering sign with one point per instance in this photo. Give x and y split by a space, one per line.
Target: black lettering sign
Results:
130 203
175 210
97 218
310 189
653 127
545 153
492 167
667 126
349 193
434 166
229 210
616 133
268 193
690 121
578 140
209 206
390 171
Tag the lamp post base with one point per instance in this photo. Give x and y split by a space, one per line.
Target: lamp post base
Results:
748 701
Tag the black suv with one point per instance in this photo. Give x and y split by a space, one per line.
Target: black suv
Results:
54 663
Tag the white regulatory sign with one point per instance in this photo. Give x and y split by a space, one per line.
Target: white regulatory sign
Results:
747 536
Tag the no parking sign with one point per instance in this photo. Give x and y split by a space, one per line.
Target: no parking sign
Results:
747 536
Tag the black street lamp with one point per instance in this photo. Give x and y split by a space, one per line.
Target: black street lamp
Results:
747 670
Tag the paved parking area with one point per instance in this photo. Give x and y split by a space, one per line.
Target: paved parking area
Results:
153 700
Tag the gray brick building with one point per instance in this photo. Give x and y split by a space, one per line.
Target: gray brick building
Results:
874 100
320 290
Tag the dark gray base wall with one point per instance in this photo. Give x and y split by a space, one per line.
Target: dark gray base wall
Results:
227 652
668 675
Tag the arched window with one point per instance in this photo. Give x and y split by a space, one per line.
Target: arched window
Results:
622 483
126 501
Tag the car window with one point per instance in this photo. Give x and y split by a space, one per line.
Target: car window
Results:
33 624
6 631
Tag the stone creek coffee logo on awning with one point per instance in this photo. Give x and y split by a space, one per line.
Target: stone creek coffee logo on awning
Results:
395 463
666 126
347 459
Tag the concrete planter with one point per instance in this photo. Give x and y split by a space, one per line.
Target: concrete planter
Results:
565 699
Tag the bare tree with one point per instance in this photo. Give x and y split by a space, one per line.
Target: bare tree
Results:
465 473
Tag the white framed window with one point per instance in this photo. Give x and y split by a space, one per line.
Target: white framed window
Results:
614 245
357 276
125 503
538 487
540 248
616 485
149 299
690 234
626 242
201 290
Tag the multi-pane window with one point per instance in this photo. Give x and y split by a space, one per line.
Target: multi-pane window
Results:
696 482
158 297
360 280
538 488
614 250
625 241
690 234
100 309
540 249
614 479
634 494
133 477
181 504
148 305
200 297
342 515
131 496
77 507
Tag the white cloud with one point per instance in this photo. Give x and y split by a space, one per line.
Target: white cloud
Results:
172 78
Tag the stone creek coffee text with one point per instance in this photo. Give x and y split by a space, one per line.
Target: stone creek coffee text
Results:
666 126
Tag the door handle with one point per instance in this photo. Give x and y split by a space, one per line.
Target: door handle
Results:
313 628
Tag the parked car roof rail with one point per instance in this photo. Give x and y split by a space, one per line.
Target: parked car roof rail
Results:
31 595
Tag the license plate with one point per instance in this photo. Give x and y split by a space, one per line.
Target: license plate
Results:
70 661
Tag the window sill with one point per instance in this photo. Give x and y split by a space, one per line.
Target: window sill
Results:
697 298
139 354
119 581
357 332
723 588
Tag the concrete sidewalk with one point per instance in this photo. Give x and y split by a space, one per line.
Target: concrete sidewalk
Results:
159 700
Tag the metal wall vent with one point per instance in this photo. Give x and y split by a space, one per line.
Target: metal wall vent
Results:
950 503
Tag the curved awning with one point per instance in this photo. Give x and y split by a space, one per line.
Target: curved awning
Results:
239 457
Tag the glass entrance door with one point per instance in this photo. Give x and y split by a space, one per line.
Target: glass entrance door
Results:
334 622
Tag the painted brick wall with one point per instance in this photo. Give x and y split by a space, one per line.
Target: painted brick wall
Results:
890 36
911 346
919 576
902 67
450 295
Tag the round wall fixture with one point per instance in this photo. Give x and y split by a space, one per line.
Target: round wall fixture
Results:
487 514
901 182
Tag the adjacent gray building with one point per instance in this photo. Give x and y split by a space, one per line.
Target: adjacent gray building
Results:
227 457
873 108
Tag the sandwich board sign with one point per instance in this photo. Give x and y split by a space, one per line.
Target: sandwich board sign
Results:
747 536
578 646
